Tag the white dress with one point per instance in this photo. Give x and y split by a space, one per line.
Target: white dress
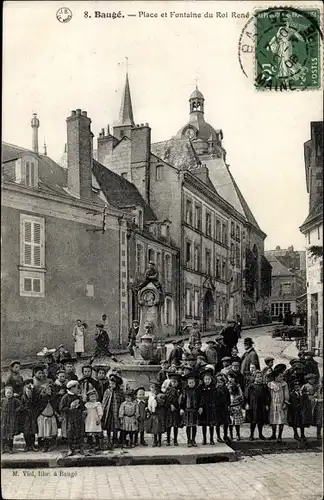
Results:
94 413
47 426
78 335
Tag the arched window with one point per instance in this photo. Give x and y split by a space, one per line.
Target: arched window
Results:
168 311
139 258
140 219
151 255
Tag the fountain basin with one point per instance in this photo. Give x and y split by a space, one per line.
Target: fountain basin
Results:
138 375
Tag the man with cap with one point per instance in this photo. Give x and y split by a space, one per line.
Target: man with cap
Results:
15 379
249 357
222 351
311 366
102 340
176 354
230 334
72 408
267 370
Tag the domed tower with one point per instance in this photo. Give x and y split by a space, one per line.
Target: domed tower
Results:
35 126
196 101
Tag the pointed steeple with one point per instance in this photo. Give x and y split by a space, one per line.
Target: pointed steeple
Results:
126 110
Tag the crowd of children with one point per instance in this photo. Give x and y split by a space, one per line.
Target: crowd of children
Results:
100 409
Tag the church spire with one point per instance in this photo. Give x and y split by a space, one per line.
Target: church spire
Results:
126 110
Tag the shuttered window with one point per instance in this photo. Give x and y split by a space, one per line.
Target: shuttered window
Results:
32 237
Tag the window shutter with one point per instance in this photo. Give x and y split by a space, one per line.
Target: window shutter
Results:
37 244
27 243
32 242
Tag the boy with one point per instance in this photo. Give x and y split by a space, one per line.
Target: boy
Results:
69 370
226 362
162 375
73 408
141 403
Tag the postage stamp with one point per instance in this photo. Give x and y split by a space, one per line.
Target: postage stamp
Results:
287 49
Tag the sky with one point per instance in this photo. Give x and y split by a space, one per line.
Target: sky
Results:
51 68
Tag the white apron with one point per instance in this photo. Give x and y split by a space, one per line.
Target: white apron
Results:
78 334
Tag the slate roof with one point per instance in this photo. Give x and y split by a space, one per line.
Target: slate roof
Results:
176 152
248 213
119 192
315 213
278 269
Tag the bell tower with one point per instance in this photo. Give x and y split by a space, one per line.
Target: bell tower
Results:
196 101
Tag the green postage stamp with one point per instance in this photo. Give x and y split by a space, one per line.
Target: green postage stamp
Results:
287 49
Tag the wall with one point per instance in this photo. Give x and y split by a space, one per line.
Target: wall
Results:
73 259
314 270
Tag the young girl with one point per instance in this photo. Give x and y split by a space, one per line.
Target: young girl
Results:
207 406
94 415
28 417
236 413
129 414
72 407
103 382
222 402
189 408
141 403
173 396
10 407
46 417
300 410
226 363
156 414
318 409
258 400
112 399
279 401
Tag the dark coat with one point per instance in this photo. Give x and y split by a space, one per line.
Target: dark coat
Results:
176 355
222 351
42 401
300 409
58 393
258 397
249 358
142 414
222 402
211 355
161 376
311 366
290 376
190 401
52 369
173 397
208 396
16 381
102 387
74 418
87 383
231 336
240 380
10 408
28 417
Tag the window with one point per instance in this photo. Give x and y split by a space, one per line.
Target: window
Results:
196 303
159 173
224 234
224 271
139 259
158 261
197 263
32 241
286 288
189 212
188 302
168 311
124 175
208 224
232 254
30 173
168 267
188 253
31 283
218 230
151 255
198 217
238 255
232 230
218 268
140 219
208 262
238 233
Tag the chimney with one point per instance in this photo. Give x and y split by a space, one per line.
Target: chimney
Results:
105 146
35 126
140 159
79 154
45 148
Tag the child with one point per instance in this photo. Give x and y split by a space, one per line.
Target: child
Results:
69 370
102 381
155 423
28 417
226 363
112 399
267 370
173 397
279 400
87 382
238 375
258 400
222 402
196 351
176 353
236 413
141 403
59 388
207 406
46 417
189 408
73 408
129 414
300 410
162 375
318 409
234 356
249 376
14 379
10 407
94 415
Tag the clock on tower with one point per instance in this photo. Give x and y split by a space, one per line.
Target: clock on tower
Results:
190 133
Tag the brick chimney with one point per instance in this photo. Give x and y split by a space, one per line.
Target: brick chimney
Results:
140 159
105 145
79 154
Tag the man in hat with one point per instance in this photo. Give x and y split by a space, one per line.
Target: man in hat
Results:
211 352
249 357
267 370
311 366
230 334
176 354
15 379
102 340
72 408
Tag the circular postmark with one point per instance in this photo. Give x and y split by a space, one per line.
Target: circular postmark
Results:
280 49
64 15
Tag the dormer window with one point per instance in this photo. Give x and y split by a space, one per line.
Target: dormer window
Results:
26 169
30 173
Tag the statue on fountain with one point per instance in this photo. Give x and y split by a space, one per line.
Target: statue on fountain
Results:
150 299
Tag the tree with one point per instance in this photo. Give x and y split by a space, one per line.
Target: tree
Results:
316 251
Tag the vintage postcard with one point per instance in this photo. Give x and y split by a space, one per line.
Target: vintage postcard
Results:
162 250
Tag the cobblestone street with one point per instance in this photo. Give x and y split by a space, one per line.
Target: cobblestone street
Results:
272 477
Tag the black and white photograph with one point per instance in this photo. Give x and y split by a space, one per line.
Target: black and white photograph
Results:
162 250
